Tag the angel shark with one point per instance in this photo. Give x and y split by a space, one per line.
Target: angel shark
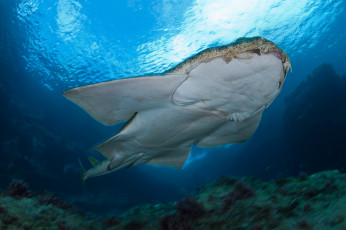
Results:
215 97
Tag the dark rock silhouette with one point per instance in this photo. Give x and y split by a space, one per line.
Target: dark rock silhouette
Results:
315 121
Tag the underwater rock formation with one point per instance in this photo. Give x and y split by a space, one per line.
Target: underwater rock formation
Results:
315 121
21 208
306 202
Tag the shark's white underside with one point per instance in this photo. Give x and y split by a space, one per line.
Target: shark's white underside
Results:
211 99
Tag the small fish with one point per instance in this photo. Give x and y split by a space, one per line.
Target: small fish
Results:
215 97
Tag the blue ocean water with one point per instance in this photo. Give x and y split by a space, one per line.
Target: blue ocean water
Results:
49 46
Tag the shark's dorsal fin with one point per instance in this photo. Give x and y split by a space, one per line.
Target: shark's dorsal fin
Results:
93 161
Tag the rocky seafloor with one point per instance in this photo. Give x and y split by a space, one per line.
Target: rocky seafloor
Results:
314 202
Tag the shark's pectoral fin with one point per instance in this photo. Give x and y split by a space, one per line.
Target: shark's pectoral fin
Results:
173 157
115 101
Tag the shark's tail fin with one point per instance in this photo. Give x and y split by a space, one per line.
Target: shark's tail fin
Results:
81 166
82 169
